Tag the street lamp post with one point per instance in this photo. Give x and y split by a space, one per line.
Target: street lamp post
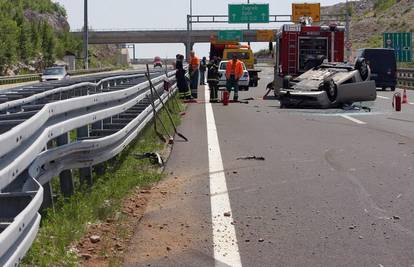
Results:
189 29
85 36
347 33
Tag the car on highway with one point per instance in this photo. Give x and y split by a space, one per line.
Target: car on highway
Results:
328 85
157 62
243 81
383 64
54 74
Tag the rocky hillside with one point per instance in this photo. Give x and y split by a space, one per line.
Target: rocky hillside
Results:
370 18
35 34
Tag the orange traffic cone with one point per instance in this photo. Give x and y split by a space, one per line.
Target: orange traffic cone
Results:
405 99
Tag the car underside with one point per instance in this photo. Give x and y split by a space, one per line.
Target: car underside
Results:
328 85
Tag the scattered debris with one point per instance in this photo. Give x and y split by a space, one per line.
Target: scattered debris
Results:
227 214
86 256
251 158
396 217
361 237
352 227
235 172
154 158
168 249
95 238
261 240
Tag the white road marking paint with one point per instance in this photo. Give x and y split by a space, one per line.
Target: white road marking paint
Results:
352 119
411 103
226 249
383 97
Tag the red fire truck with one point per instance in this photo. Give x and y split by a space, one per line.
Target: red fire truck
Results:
298 42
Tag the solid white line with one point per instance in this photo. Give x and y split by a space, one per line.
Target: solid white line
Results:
226 249
383 97
411 103
353 119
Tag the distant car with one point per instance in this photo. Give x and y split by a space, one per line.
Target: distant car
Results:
157 62
383 66
329 85
243 81
54 74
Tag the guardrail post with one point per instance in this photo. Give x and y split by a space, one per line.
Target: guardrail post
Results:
85 174
47 196
65 177
100 168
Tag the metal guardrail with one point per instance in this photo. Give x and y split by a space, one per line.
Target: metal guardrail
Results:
36 76
113 112
406 78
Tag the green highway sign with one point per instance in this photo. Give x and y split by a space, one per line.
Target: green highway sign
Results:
230 35
402 43
248 13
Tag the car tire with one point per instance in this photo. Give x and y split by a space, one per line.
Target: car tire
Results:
362 66
393 88
331 90
384 88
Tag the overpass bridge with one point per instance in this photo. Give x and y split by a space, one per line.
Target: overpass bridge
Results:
159 36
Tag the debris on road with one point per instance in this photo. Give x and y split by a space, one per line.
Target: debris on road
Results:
352 227
261 240
95 238
154 158
251 158
227 214
396 217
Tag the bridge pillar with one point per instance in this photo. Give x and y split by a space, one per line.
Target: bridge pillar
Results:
188 48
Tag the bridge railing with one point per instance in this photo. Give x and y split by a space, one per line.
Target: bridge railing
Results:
109 114
406 78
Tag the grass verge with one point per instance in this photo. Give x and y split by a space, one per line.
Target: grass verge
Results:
68 221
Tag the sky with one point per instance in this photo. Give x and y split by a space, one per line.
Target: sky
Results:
165 14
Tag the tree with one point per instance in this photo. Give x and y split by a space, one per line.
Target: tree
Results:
8 43
48 45
25 46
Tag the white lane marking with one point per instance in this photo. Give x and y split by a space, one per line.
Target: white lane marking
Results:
383 97
353 119
226 249
411 103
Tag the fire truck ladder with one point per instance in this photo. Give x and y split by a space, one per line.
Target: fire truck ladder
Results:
292 52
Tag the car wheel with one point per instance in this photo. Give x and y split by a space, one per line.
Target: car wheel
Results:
393 88
331 90
362 66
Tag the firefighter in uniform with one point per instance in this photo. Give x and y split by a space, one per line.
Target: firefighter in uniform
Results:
213 79
182 84
194 73
234 71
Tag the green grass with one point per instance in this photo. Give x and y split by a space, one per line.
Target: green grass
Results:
67 222
382 5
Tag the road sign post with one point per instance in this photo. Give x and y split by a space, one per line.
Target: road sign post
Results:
248 13
401 42
230 35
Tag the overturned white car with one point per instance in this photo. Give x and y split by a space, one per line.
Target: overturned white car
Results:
328 85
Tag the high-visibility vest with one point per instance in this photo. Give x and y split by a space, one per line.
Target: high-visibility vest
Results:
234 69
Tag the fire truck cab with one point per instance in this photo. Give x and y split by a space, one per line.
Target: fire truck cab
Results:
298 43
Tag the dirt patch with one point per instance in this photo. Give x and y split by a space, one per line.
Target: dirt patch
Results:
105 243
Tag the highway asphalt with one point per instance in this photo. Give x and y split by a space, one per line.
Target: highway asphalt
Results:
335 188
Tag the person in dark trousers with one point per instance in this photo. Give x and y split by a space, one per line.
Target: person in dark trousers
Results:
234 71
182 84
194 71
213 79
203 68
